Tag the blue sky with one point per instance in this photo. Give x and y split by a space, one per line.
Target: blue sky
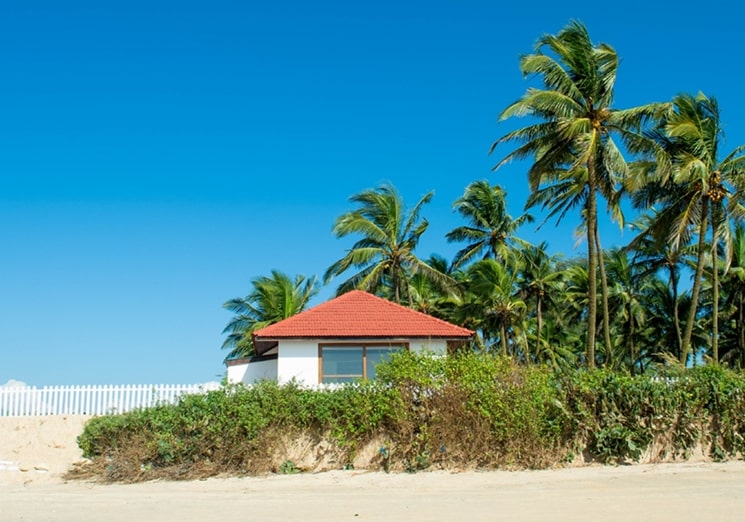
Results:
157 156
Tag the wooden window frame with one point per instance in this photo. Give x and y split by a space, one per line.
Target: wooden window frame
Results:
355 344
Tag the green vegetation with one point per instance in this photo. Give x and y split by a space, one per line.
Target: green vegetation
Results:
626 308
528 394
464 411
271 300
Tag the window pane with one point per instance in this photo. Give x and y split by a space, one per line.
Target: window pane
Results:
376 355
341 363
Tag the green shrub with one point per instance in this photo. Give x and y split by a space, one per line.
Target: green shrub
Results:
467 410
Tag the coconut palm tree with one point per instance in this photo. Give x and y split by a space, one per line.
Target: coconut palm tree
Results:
491 305
271 299
733 288
427 297
628 312
691 184
575 157
539 281
490 229
384 254
653 253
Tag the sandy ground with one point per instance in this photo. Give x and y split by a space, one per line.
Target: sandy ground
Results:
675 492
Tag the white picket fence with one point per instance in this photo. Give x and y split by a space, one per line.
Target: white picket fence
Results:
91 400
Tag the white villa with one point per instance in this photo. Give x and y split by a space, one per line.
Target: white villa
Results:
342 340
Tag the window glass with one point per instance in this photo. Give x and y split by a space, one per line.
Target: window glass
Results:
375 355
342 363
351 363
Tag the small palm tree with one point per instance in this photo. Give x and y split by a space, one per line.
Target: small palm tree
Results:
653 252
490 229
491 304
384 254
733 288
539 281
271 300
628 312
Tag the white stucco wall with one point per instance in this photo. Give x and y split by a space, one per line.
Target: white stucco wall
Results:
256 371
435 346
298 359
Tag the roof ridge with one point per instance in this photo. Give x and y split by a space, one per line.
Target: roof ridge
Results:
358 313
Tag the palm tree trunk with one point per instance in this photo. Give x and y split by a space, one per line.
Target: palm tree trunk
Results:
715 289
696 282
592 282
503 333
676 308
632 345
539 315
604 297
741 329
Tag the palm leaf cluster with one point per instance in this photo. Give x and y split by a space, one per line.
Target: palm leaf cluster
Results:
271 299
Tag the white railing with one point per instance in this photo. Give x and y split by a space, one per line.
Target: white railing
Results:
91 400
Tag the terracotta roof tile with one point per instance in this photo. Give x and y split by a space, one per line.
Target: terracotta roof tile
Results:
359 314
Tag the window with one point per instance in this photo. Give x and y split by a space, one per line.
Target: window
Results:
350 362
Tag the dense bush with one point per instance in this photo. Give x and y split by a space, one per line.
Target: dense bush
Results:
462 411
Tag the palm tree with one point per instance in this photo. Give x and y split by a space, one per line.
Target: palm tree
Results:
426 296
733 288
539 280
491 304
385 254
653 252
271 299
628 312
490 230
575 157
692 183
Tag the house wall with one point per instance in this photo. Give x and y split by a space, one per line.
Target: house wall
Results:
250 372
298 360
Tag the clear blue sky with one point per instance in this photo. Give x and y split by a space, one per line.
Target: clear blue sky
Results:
157 156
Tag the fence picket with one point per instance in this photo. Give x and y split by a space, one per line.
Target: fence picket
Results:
91 399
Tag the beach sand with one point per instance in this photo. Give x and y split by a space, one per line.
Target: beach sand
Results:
675 492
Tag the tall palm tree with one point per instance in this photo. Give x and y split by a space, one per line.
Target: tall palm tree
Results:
271 300
490 229
384 254
574 154
692 183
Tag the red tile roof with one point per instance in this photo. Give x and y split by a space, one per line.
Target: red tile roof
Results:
358 314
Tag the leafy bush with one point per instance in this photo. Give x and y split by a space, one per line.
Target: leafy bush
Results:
461 411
